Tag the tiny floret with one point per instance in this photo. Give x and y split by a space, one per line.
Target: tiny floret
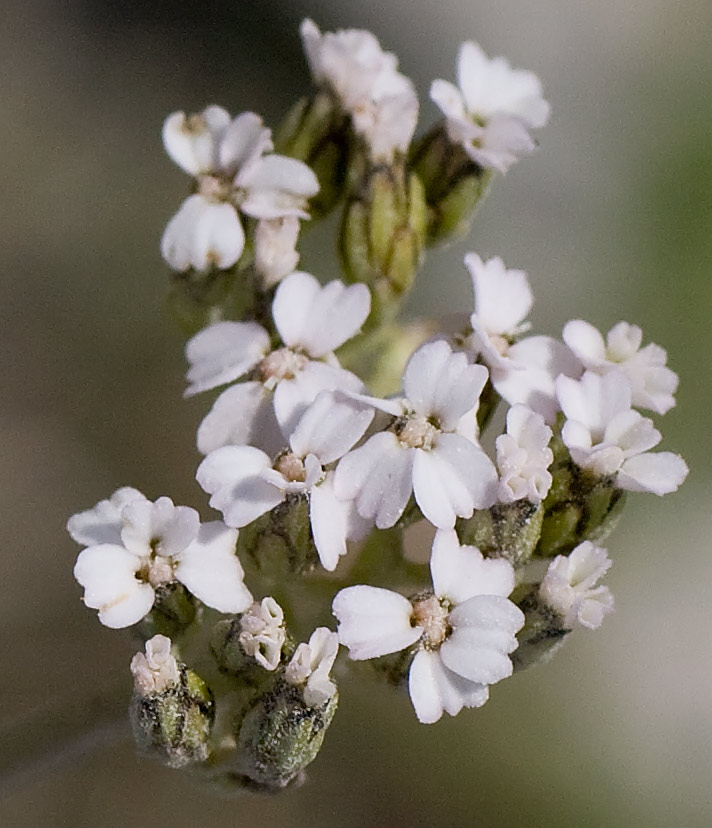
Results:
262 632
569 587
311 664
524 457
156 670
492 110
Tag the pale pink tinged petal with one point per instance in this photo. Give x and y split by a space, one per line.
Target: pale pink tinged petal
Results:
203 234
330 426
103 523
378 477
192 142
434 689
586 342
243 414
503 297
632 432
329 522
223 352
623 340
292 307
244 140
211 570
660 473
374 621
460 572
452 479
337 314
293 396
447 97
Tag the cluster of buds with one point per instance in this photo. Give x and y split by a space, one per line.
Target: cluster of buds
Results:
317 471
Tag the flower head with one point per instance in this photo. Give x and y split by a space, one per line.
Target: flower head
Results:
653 384
429 449
463 631
136 546
493 110
234 172
569 587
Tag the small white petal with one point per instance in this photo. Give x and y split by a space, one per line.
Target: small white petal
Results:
330 519
330 426
378 476
657 472
203 234
434 689
374 621
159 527
460 572
243 142
192 143
448 98
586 342
103 523
277 186
210 569
223 352
503 298
243 414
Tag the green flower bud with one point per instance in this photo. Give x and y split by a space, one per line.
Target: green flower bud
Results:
280 735
280 542
454 185
543 633
172 709
505 530
174 608
579 506
316 132
382 234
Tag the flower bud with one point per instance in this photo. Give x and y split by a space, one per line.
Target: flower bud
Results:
173 610
505 530
383 232
579 506
172 709
316 131
281 734
454 185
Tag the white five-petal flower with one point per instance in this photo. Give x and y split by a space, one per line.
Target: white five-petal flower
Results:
524 456
653 384
134 546
312 321
521 370
233 175
245 483
425 450
463 632
605 435
569 587
311 664
382 103
493 110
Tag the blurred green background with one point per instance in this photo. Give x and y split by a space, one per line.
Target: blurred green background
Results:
612 218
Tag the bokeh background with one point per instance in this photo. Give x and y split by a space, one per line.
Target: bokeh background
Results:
612 219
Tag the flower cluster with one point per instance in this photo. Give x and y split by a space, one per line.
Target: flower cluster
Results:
316 475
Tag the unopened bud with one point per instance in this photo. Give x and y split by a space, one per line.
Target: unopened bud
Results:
172 709
383 232
454 185
174 608
505 530
282 734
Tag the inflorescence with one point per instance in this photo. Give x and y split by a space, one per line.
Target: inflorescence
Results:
317 467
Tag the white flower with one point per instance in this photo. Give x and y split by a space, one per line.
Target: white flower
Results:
312 322
521 370
422 452
605 435
493 110
653 384
569 587
464 632
135 546
157 670
524 456
275 249
233 175
244 483
311 665
382 102
262 632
